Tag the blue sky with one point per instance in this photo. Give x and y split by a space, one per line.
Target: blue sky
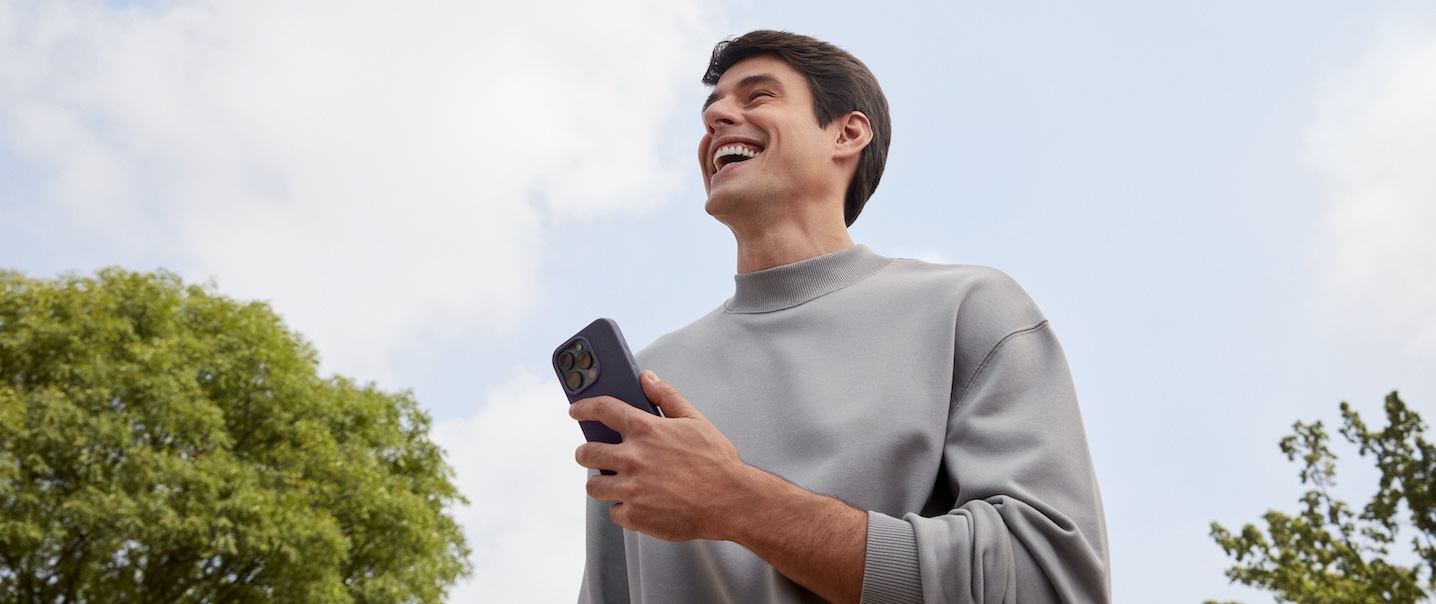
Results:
1224 208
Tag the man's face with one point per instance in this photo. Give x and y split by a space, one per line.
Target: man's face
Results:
762 143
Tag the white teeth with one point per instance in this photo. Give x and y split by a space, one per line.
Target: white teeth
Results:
728 150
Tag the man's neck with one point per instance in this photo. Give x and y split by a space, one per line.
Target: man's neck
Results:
780 245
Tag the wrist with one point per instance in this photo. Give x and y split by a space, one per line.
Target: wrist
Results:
813 539
752 505
746 498
766 505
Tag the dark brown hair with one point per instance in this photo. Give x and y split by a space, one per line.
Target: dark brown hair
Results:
840 84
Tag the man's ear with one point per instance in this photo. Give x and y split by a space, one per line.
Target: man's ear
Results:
854 132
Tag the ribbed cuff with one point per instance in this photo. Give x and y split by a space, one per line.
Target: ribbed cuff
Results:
890 573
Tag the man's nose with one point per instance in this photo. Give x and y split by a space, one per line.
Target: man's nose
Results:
720 113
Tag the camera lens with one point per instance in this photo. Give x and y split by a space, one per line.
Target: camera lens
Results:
585 360
575 380
565 361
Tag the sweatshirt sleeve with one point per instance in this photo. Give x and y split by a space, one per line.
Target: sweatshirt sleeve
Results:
1025 520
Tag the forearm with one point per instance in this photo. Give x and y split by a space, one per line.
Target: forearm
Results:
815 540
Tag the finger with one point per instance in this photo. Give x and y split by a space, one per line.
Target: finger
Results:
610 411
596 456
602 487
618 514
667 397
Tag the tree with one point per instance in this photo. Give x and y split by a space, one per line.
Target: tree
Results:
1328 553
162 443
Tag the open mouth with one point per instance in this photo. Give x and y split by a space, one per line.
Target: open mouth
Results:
728 155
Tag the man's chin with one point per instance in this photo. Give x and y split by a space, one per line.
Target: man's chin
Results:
720 204
711 206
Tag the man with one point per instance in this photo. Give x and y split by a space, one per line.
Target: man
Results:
908 431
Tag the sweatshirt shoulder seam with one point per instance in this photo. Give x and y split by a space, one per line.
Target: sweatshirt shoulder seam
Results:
993 353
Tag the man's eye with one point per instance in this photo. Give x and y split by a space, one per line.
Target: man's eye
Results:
758 93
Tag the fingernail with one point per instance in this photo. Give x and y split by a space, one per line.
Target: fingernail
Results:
652 377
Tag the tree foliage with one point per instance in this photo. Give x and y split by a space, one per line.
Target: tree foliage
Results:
1329 552
162 443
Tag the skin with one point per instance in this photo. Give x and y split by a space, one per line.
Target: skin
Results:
783 206
786 204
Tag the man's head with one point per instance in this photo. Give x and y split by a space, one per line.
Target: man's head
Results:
839 84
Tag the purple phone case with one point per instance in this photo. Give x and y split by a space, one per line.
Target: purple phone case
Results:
617 375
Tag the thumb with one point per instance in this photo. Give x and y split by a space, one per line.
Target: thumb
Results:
667 398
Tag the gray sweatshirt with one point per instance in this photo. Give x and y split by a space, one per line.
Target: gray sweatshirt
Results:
936 397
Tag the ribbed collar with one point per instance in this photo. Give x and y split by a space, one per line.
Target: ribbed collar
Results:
793 284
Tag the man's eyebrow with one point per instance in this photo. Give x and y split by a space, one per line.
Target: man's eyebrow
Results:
756 79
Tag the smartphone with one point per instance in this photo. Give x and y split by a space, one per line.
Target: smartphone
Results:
595 362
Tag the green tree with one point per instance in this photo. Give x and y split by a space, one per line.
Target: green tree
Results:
162 443
1329 553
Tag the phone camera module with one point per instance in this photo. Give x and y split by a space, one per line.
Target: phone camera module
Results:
577 365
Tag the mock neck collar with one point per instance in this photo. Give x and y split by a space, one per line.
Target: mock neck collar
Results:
789 285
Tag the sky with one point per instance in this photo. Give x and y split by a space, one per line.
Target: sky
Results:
1224 208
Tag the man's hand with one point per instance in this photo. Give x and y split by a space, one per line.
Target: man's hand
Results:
678 478
676 475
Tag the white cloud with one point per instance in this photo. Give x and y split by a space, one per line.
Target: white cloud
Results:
1374 142
377 170
935 256
514 462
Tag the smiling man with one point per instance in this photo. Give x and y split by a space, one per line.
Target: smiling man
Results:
847 427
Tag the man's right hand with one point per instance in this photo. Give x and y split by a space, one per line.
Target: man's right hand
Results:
677 475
